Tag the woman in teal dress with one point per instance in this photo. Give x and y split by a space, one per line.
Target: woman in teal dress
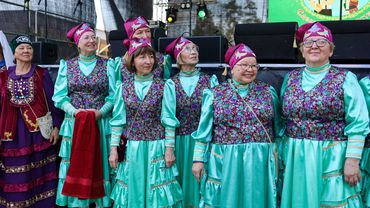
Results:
143 180
365 161
235 155
138 27
182 101
326 125
85 83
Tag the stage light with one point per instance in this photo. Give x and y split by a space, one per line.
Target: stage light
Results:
185 5
171 15
202 11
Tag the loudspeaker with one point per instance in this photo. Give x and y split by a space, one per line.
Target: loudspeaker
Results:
116 38
271 42
44 53
351 40
212 49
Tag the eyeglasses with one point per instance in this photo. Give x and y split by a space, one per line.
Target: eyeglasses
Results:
319 43
190 49
249 66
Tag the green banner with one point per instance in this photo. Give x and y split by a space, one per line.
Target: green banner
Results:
303 11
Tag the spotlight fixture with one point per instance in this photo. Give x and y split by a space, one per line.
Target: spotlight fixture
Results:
202 11
171 14
185 5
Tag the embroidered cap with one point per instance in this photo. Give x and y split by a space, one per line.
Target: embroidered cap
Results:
20 39
76 32
313 29
133 24
177 46
236 53
134 44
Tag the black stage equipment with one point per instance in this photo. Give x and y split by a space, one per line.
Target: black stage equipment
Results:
352 41
212 49
272 42
116 38
44 53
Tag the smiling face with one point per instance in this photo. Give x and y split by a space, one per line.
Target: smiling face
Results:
245 71
23 53
316 51
142 33
87 43
189 55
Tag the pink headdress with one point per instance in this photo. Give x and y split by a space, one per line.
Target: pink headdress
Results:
313 29
133 24
177 46
134 44
76 32
236 53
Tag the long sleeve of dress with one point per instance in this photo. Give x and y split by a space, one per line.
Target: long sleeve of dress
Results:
213 81
60 97
119 116
356 116
278 124
203 135
168 115
365 85
167 66
112 78
56 114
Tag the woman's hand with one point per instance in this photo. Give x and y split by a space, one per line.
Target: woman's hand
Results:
169 157
198 170
97 113
113 157
79 110
352 171
54 137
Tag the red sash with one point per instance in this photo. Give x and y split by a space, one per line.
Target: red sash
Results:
85 173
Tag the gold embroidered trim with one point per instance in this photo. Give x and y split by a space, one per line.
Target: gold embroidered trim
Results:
356 140
30 202
7 135
355 147
217 155
330 145
214 181
164 184
170 130
338 205
157 159
23 101
201 143
66 139
29 121
26 168
353 155
331 175
121 183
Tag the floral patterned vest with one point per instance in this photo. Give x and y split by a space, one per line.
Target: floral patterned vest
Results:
87 91
188 108
146 125
319 113
234 122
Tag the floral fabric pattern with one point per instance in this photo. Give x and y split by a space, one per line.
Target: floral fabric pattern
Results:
147 124
319 113
87 91
234 122
189 108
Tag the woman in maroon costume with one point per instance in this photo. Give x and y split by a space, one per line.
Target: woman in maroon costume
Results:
28 169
